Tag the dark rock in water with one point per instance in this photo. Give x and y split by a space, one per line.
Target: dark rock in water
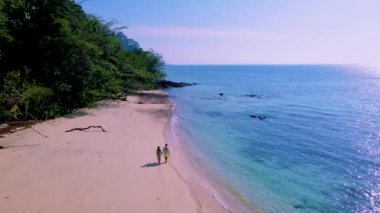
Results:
164 84
214 114
253 96
304 205
261 117
299 206
221 94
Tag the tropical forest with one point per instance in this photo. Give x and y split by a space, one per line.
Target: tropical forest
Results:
55 58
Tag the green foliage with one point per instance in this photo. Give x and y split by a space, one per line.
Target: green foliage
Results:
64 59
5 38
33 100
20 98
11 91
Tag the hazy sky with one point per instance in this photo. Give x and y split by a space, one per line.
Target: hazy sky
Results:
250 31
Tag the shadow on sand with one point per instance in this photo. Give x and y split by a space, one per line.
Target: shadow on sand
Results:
76 114
152 98
150 165
19 146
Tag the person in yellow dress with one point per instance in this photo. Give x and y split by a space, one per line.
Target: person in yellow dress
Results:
166 152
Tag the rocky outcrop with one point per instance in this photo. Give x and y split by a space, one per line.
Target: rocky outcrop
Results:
164 84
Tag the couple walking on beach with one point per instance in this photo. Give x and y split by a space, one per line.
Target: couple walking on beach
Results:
165 152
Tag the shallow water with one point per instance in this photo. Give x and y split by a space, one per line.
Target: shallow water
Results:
317 150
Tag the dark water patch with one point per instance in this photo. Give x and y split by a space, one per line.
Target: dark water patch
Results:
213 98
299 206
211 113
307 206
77 113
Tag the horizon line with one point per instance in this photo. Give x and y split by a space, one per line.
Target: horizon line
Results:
267 64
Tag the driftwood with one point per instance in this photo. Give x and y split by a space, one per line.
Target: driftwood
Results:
9 128
36 131
81 129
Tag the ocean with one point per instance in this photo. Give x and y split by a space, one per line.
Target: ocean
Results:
287 138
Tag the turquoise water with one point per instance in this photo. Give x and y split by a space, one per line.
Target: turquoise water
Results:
318 150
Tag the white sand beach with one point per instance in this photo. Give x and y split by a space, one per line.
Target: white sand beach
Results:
95 171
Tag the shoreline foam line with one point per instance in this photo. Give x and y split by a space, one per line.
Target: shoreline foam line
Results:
203 186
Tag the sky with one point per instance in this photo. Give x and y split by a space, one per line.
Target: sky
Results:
250 31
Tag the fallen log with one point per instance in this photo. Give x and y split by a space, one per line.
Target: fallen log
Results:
81 129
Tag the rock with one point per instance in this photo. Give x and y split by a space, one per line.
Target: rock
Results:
253 96
261 117
164 84
121 97
4 126
298 206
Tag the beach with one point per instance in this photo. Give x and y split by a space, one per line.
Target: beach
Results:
96 171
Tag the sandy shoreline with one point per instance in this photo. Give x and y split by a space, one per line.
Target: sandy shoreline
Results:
204 187
95 171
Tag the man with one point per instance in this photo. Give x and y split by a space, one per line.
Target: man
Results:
158 153
166 152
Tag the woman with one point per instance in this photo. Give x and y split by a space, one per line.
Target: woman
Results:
166 152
